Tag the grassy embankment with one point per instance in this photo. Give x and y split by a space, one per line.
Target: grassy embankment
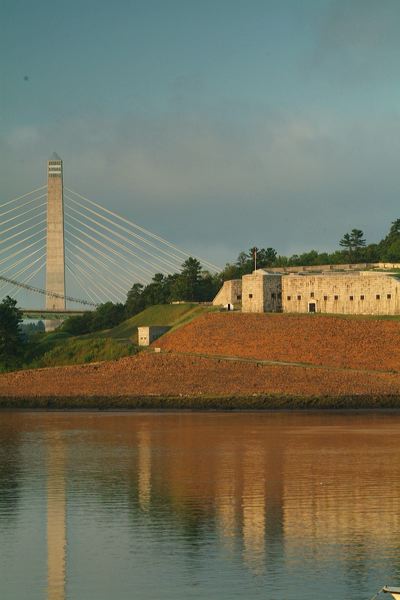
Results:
60 348
214 403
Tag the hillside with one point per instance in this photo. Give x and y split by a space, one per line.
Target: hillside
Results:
59 348
173 315
149 375
317 340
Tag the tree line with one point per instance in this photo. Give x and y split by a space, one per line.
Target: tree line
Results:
352 249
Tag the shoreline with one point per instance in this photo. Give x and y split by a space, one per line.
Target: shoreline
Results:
201 403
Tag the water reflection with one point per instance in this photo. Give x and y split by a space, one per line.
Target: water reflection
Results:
56 518
144 468
261 505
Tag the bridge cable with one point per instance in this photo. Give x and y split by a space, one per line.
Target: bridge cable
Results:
14 291
96 285
3 260
49 293
97 274
112 250
14 235
175 257
119 245
94 258
128 241
43 214
84 286
106 268
23 196
25 213
101 253
29 237
23 270
22 205
21 260
143 230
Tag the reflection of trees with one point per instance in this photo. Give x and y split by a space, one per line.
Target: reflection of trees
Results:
10 464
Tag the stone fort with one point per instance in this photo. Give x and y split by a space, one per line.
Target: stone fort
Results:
341 289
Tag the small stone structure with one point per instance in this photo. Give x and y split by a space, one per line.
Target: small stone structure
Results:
149 333
347 292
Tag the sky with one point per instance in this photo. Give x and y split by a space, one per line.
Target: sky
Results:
218 124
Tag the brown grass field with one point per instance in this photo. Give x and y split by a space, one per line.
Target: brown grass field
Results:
314 339
345 358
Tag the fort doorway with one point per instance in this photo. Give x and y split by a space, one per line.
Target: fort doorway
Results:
311 307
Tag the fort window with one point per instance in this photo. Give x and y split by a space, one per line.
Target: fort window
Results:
325 298
362 297
312 295
273 295
250 295
298 297
336 297
351 297
289 297
378 296
239 297
389 296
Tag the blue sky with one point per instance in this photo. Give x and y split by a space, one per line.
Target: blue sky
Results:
218 124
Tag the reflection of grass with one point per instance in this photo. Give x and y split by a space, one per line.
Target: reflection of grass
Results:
76 351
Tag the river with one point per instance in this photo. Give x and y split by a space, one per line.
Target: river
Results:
174 506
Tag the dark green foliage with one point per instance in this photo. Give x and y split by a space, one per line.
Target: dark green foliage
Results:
29 329
192 284
104 317
202 403
389 247
353 243
11 346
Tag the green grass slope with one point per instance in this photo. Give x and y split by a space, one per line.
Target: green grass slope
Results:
77 351
172 315
60 348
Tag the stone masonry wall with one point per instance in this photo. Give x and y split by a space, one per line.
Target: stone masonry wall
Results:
230 293
363 293
261 292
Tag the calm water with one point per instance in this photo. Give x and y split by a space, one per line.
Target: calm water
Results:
198 506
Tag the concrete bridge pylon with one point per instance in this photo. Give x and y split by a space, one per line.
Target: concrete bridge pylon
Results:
55 250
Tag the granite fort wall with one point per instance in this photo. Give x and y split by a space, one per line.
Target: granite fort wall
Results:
261 292
230 293
363 293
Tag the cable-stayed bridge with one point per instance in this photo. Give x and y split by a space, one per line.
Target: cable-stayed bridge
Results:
57 244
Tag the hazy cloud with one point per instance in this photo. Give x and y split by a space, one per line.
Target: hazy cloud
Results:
293 183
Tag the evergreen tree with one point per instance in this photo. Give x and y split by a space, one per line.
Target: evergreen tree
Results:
10 333
187 284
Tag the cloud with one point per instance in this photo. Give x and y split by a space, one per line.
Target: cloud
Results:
359 39
221 184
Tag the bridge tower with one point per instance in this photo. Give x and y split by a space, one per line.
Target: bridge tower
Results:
55 254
